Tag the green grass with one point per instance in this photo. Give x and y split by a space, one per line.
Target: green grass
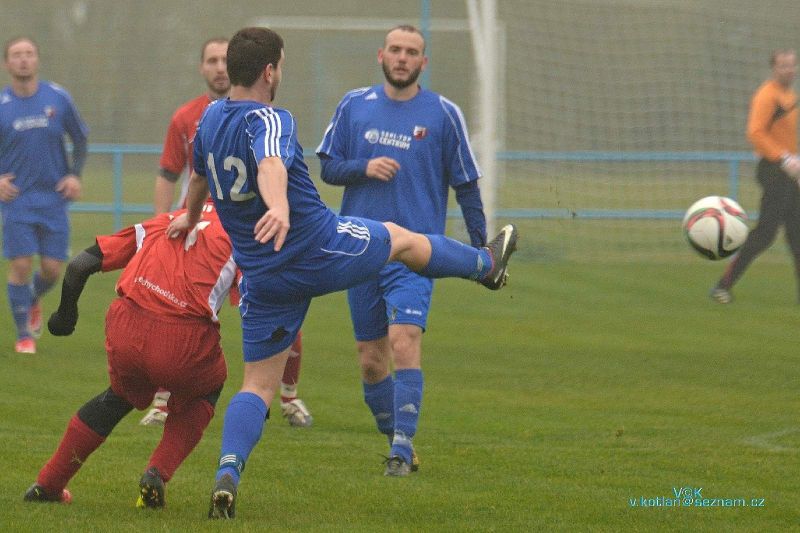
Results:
548 406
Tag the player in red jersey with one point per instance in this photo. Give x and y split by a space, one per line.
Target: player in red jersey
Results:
161 331
176 165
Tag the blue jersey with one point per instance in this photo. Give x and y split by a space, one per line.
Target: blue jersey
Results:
232 138
426 135
32 146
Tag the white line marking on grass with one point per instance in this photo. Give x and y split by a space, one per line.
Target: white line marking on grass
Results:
764 441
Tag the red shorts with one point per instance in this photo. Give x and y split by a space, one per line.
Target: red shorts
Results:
147 352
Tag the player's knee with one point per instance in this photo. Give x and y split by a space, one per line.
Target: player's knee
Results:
103 412
374 361
50 269
20 269
401 238
406 347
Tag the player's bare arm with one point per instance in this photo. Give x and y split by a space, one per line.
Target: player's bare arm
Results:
69 186
8 191
272 182
382 168
163 195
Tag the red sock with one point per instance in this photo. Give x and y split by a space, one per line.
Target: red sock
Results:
291 372
182 432
77 444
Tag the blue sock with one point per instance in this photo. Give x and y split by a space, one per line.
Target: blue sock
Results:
20 300
40 285
453 259
244 421
407 399
379 397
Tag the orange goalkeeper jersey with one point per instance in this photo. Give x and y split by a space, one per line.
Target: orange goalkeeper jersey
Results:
772 124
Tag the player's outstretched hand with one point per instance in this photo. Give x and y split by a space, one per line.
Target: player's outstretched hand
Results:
61 325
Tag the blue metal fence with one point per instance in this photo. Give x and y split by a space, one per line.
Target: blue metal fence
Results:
118 207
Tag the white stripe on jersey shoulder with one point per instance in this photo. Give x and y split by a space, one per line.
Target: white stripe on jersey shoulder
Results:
357 92
274 124
454 114
59 89
345 101
140 234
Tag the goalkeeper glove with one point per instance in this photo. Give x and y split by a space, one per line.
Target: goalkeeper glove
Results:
791 165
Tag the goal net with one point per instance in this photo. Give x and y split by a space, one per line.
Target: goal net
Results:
618 114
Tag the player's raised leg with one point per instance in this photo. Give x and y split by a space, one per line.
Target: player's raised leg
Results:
437 256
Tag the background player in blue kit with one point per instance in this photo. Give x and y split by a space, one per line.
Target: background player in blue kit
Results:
36 182
397 148
289 246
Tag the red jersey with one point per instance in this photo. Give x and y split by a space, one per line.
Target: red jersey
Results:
189 276
177 154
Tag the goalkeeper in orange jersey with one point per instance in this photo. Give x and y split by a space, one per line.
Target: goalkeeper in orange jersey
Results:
772 129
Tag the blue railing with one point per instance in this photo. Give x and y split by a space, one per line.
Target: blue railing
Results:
118 207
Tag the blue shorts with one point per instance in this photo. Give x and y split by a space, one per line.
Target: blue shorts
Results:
273 307
397 296
43 232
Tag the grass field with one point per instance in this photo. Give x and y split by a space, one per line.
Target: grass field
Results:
551 405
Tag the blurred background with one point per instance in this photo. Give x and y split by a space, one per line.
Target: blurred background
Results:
612 116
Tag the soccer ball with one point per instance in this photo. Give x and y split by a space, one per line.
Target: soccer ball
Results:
715 226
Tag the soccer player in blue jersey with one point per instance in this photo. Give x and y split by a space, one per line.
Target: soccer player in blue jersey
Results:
397 149
37 182
289 246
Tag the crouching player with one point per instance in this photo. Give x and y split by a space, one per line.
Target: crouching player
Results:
161 331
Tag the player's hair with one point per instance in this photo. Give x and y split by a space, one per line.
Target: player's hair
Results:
249 53
779 52
14 40
213 40
409 28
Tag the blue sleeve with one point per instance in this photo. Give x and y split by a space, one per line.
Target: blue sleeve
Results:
337 135
79 151
78 133
460 161
468 196
343 171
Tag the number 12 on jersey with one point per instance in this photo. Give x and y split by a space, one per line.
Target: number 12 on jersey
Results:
228 164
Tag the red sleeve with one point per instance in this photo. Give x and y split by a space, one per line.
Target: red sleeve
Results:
120 247
174 156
